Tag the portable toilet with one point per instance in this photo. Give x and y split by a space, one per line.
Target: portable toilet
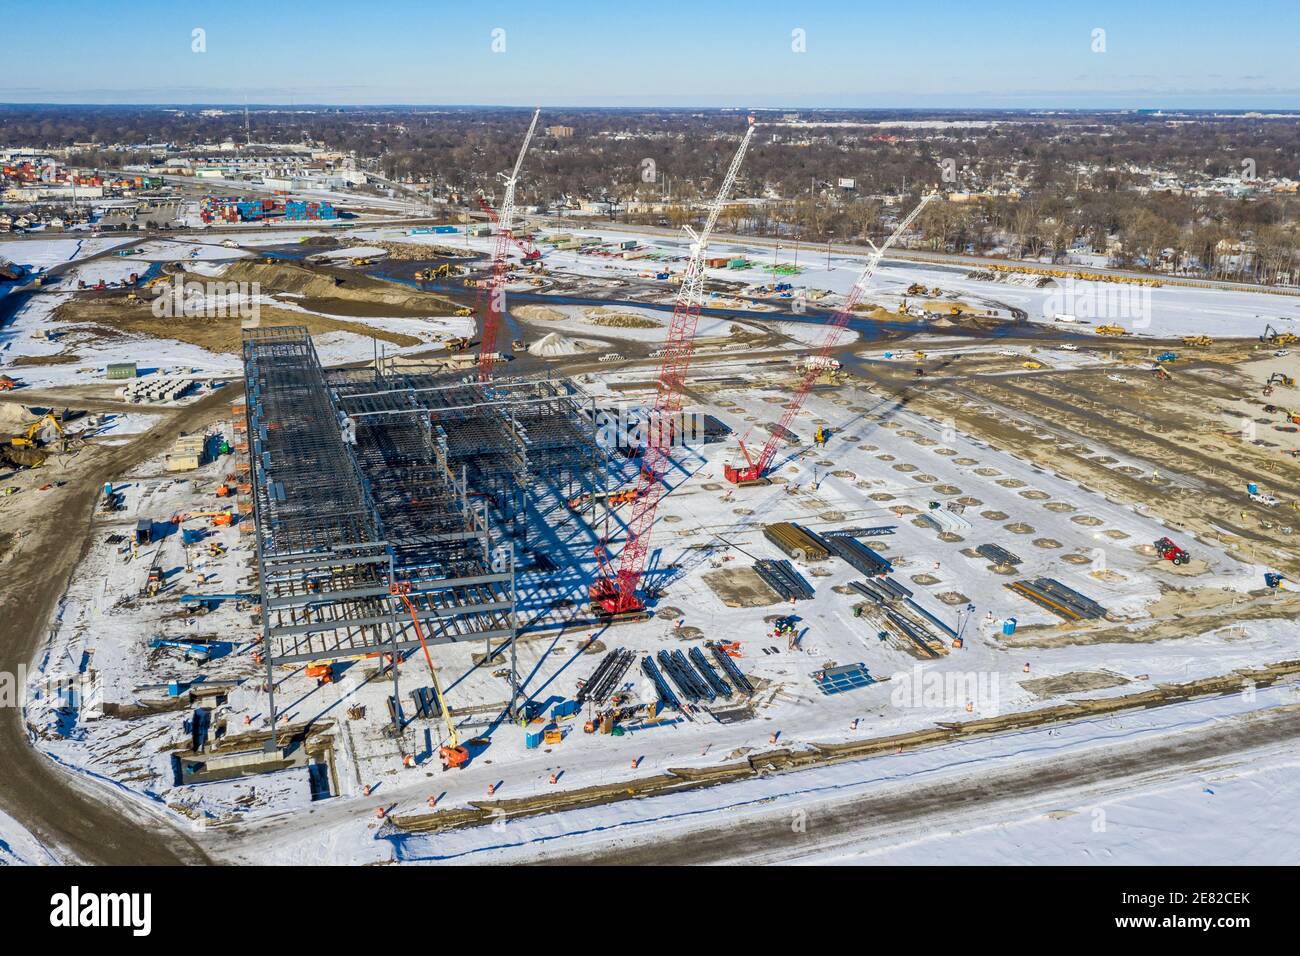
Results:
143 531
1252 488
532 739
1009 626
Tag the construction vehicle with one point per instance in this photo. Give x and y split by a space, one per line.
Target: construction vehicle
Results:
500 266
1161 373
916 289
1277 378
1273 580
1201 340
1272 336
451 752
755 470
30 438
1116 330
1167 357
1031 365
615 594
1169 551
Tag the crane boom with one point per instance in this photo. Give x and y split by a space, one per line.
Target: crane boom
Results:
755 469
616 594
496 304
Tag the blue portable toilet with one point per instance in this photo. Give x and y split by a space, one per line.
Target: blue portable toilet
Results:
532 739
1252 488
1009 626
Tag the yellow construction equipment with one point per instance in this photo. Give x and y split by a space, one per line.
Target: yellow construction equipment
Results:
1031 365
452 753
1111 330
28 438
1197 340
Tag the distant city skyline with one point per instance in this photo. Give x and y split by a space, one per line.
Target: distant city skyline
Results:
757 54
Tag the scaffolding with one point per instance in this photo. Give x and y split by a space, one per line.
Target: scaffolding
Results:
364 481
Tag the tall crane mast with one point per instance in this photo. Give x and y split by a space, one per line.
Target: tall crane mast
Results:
756 469
496 304
615 593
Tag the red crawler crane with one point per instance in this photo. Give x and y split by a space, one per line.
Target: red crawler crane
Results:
496 304
614 593
755 470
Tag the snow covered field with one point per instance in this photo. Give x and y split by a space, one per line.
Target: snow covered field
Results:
20 848
708 532
1169 311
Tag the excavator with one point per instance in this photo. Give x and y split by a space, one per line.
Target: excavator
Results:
1272 336
29 438
451 752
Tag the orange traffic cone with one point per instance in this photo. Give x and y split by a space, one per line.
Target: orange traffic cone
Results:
1026 668
635 762
433 802
379 812
492 789
554 778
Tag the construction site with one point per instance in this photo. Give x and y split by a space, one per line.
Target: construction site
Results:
697 538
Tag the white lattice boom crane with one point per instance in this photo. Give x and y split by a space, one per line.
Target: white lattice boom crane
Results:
496 304
615 593
756 469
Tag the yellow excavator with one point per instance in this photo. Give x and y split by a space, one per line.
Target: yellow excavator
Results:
28 438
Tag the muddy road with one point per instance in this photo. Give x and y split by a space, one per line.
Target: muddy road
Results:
79 821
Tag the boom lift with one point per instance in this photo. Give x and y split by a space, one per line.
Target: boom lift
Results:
452 753
496 303
755 470
615 593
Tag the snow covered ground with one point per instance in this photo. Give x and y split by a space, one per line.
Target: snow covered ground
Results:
20 848
1163 312
708 531
1222 812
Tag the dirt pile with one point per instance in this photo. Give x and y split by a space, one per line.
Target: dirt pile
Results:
555 345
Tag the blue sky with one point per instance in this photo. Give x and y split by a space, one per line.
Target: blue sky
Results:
930 53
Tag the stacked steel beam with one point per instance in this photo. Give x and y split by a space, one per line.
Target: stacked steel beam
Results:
784 580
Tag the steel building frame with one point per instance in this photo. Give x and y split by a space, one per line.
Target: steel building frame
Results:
363 480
